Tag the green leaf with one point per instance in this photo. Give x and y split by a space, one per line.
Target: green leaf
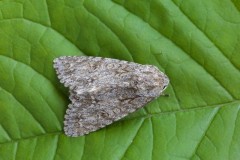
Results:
196 43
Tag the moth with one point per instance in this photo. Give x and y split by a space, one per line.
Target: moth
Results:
104 90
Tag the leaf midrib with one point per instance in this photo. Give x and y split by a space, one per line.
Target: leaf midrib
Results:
57 133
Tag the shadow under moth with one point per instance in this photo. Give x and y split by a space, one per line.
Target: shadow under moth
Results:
104 90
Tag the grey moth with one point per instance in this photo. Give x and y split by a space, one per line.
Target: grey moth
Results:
104 90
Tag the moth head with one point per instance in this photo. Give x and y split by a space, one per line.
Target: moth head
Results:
152 82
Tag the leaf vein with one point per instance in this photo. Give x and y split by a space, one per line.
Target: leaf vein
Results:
127 147
205 131
207 71
221 51
114 33
55 151
40 125
31 137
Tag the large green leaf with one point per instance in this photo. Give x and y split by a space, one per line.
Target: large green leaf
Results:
196 43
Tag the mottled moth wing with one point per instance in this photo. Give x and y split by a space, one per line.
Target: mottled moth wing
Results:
103 90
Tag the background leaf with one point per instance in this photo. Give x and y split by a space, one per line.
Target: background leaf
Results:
196 43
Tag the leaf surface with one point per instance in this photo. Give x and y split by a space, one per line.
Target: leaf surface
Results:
196 43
